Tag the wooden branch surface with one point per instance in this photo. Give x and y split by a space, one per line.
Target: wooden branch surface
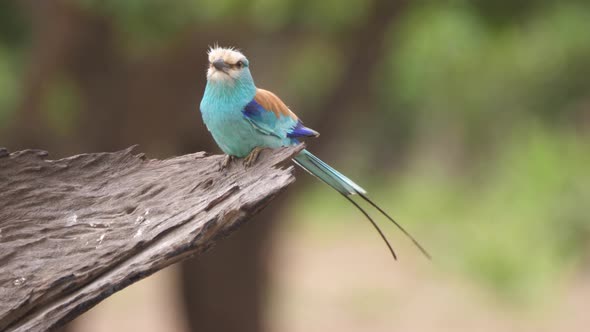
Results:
76 230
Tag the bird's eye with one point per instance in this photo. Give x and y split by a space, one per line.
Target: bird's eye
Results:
240 64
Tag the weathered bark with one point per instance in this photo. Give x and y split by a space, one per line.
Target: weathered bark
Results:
76 230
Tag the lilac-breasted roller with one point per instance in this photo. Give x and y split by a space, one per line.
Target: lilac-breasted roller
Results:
244 119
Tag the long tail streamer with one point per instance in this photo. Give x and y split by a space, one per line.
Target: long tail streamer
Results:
346 187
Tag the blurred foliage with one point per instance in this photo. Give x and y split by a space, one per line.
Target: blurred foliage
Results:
60 104
488 98
145 26
313 54
14 29
151 25
510 93
13 42
517 226
10 78
455 68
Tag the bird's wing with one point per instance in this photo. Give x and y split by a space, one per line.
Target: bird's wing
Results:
269 115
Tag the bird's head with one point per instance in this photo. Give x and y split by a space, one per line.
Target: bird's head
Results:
227 65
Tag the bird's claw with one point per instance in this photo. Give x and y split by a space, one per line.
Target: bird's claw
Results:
226 161
252 157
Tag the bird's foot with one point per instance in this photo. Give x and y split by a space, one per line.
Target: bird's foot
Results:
252 157
226 161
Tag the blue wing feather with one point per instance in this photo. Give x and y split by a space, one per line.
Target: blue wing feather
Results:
268 123
253 109
302 131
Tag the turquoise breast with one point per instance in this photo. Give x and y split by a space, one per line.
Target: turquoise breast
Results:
222 114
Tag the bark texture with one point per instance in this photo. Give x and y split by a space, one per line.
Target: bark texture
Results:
76 230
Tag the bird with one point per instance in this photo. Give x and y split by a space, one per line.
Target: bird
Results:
244 119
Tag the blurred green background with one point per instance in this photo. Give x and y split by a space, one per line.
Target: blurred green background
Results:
468 120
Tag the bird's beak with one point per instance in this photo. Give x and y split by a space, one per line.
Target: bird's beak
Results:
220 65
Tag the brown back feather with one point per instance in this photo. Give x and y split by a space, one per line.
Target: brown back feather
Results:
272 103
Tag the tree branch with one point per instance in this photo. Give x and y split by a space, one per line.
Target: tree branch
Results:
76 230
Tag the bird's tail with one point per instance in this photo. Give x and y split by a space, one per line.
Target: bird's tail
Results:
346 187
